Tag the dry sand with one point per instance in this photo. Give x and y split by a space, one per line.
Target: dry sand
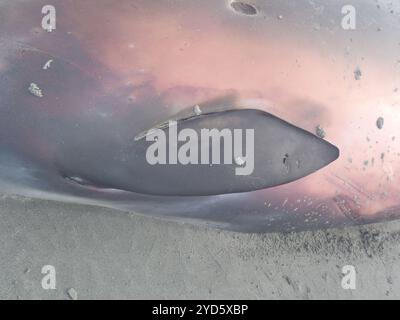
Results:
107 254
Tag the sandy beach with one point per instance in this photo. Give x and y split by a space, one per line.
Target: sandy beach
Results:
105 254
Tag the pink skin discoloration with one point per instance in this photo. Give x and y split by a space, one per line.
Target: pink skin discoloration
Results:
293 76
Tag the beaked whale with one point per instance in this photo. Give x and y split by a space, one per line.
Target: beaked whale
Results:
77 103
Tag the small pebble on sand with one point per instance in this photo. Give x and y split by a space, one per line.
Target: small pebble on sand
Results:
73 295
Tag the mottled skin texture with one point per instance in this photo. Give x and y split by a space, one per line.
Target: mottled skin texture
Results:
120 67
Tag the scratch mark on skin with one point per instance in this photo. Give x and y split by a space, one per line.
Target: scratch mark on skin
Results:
353 186
348 207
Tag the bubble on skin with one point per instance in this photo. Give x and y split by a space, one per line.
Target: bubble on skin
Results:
240 161
197 110
35 90
320 132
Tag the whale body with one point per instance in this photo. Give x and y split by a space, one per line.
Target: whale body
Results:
79 104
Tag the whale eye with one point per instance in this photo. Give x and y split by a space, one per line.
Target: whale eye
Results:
244 8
